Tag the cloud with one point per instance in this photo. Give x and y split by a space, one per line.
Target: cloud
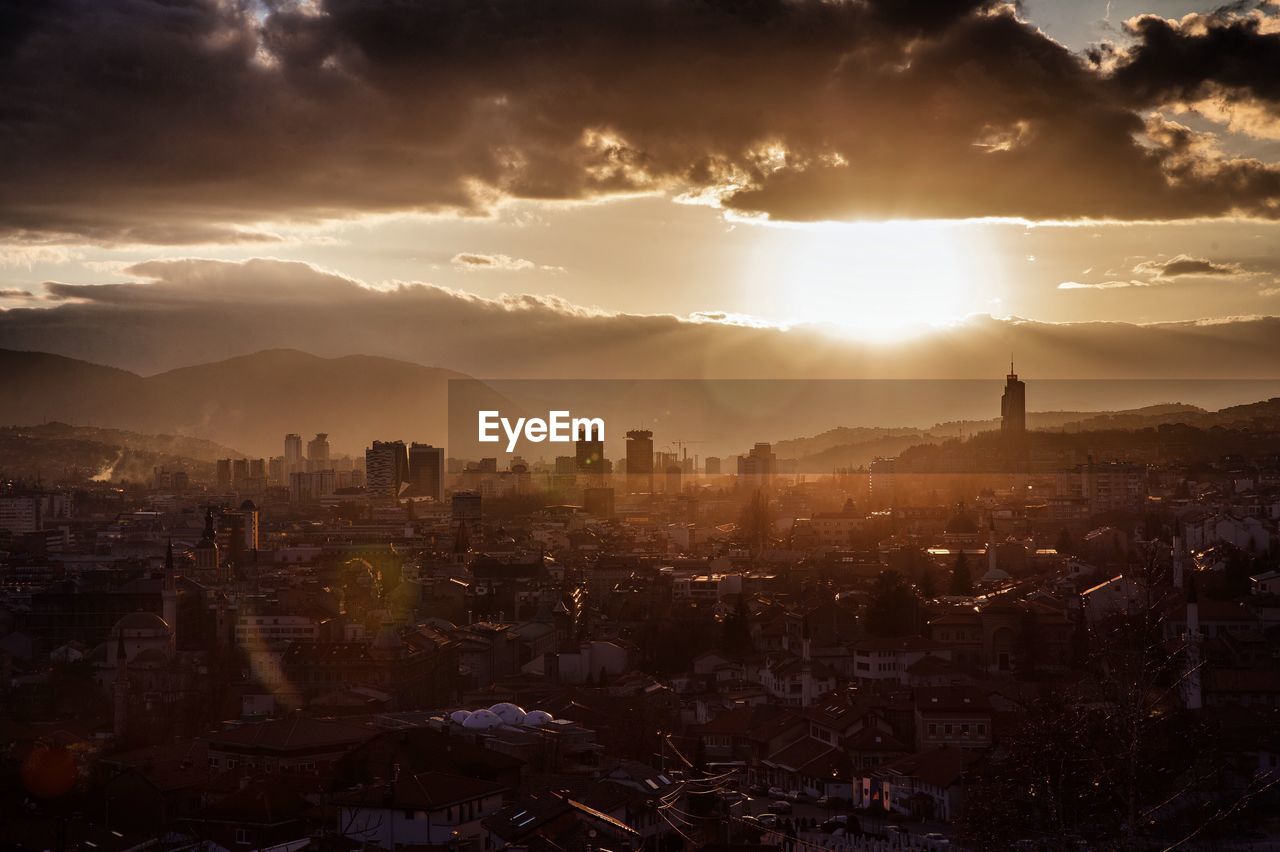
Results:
212 122
1102 285
469 262
1185 265
16 294
181 312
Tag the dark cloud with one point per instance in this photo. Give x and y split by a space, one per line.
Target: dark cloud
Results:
1185 265
194 311
16 294
159 122
1234 50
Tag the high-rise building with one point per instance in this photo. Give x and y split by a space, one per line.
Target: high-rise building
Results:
292 453
276 471
758 466
386 469
589 457
712 466
1013 406
426 471
639 465
318 452
224 473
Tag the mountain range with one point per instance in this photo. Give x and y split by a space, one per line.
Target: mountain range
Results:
248 403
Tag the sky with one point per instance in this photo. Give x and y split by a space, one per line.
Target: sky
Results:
844 173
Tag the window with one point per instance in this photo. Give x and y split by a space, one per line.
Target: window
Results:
242 836
933 729
982 729
964 730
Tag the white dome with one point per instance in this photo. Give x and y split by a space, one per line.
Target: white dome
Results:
509 713
460 716
482 720
537 718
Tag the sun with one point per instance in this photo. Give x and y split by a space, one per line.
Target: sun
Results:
882 280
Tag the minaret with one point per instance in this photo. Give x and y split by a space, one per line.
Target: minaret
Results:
170 595
991 543
1177 555
806 671
1191 685
120 689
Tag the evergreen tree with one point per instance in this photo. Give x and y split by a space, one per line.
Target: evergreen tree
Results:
961 581
1065 544
892 609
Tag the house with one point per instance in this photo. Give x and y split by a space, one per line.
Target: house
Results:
887 659
1267 583
295 745
926 785
952 716
810 766
426 808
259 815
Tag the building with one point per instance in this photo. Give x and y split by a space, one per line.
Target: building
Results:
386 469
1105 486
1013 407
426 471
29 513
712 466
310 486
224 474
639 462
588 457
421 810
318 452
292 453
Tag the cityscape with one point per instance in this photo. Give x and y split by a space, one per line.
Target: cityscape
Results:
640 426
408 650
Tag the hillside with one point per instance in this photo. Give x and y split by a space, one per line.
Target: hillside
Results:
248 402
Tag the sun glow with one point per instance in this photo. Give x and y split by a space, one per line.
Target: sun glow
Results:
884 280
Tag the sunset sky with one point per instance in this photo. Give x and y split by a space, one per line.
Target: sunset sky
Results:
869 173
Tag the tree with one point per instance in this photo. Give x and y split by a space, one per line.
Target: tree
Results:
893 608
1065 544
735 630
927 583
961 581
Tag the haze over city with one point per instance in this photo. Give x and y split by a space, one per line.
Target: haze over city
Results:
639 425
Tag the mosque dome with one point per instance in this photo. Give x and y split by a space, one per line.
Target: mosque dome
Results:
509 713
537 718
482 720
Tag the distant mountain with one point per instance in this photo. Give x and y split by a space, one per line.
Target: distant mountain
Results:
855 446
60 452
248 402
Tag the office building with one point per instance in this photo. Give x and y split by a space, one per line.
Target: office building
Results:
1013 407
426 471
386 469
292 453
639 461
318 453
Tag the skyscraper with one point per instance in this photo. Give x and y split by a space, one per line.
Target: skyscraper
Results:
1013 407
318 452
292 453
589 457
426 470
386 469
639 466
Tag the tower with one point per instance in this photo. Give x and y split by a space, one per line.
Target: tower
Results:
1191 683
991 544
1177 556
170 594
1013 407
120 691
207 549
